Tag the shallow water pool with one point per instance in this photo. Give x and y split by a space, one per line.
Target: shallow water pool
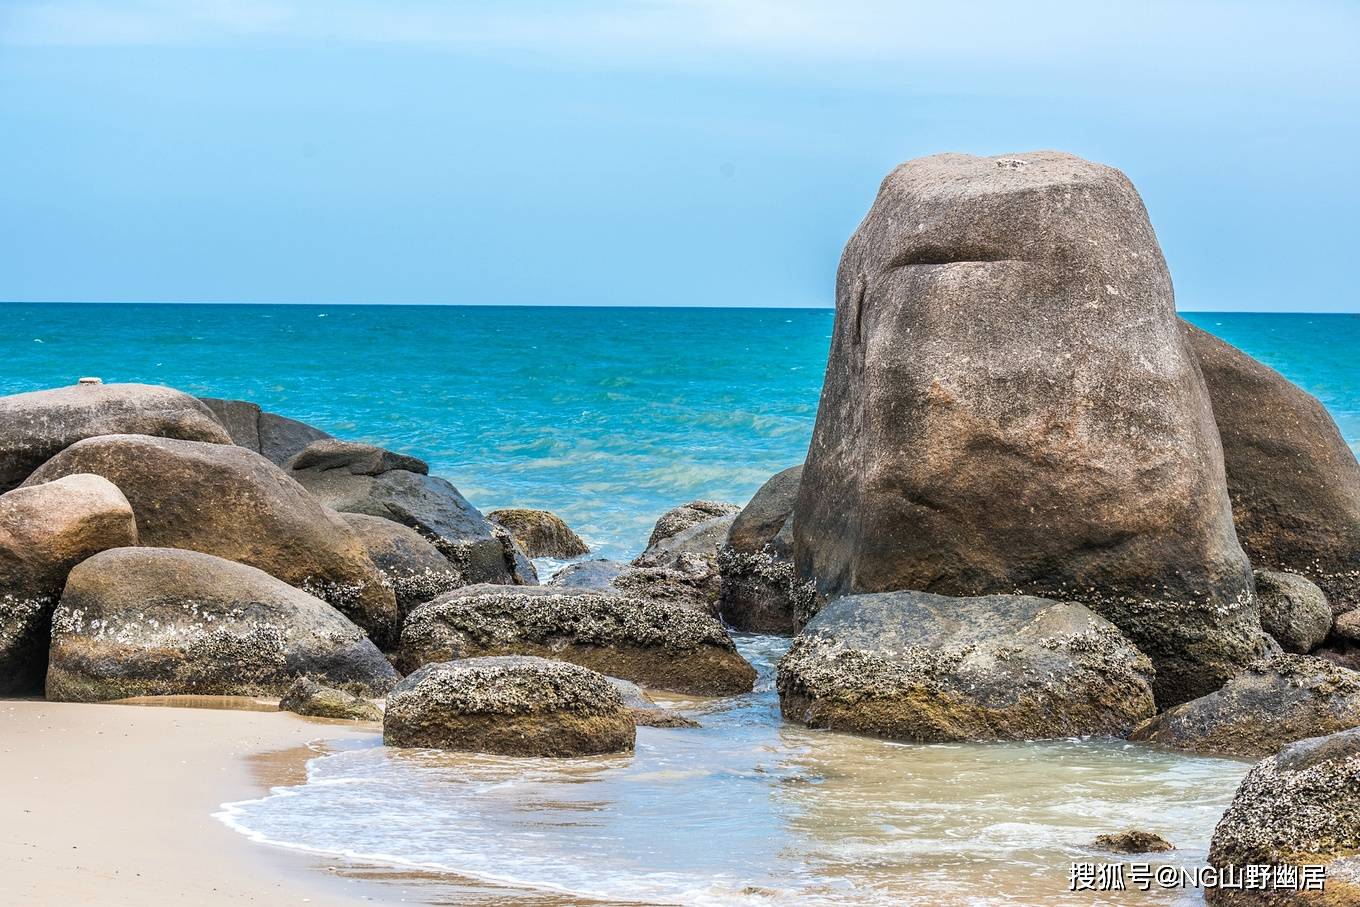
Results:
750 810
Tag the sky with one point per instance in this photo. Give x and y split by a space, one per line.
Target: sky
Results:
659 152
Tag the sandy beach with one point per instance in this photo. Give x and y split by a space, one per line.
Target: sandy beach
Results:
112 805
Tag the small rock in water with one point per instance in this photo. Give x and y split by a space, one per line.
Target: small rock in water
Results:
307 697
1133 840
509 705
644 709
540 533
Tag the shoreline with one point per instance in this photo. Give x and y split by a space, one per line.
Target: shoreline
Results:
114 804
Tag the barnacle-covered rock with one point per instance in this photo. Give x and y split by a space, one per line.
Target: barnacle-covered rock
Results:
510 705
414 568
1299 808
1294 611
36 426
761 591
655 644
599 573
163 621
1271 704
307 697
45 530
927 668
229 501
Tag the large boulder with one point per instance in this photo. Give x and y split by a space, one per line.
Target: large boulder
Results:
1294 481
539 532
931 669
1010 406
678 519
362 478
36 426
761 592
511 705
1297 809
654 644
1273 703
46 530
1294 611
229 501
276 438
163 621
414 568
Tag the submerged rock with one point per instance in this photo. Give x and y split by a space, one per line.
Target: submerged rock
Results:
36 426
1300 808
927 668
540 533
225 500
510 705
307 697
276 438
1294 611
163 621
645 711
414 568
658 645
1273 703
1294 481
761 590
1133 841
45 530
361 478
678 519
1010 406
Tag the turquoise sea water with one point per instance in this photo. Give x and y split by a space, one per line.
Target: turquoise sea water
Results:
607 416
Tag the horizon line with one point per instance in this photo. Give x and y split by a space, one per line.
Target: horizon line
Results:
550 305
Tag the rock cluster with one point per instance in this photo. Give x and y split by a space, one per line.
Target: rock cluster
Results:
1010 405
655 644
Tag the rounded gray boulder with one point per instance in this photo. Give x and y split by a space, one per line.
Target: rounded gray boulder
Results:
1293 610
163 621
931 669
510 705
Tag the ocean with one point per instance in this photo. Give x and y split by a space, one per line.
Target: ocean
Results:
606 416
609 417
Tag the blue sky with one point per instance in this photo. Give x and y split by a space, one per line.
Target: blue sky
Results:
671 152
